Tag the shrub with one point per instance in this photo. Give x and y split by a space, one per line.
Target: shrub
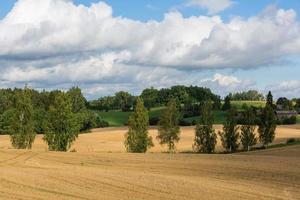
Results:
292 140
183 122
289 120
153 121
101 123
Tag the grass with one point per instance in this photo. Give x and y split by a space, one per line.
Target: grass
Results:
239 104
118 118
219 117
115 118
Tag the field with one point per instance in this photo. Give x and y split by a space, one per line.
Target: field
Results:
239 104
118 118
101 170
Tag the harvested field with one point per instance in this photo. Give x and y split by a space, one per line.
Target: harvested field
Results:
93 173
112 139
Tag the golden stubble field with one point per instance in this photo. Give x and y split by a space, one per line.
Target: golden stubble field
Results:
101 170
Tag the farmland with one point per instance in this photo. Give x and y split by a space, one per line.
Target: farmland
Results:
99 169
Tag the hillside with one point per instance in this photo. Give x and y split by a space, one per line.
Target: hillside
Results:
119 118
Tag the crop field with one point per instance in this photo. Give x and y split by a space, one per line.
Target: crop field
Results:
99 169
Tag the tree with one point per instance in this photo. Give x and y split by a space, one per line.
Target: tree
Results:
6 99
267 126
86 120
248 138
107 103
6 119
21 127
283 103
62 127
227 103
205 136
270 99
150 97
77 99
124 101
137 139
168 130
251 95
217 103
230 135
39 116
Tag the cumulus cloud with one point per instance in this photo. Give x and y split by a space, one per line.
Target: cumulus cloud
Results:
57 43
212 6
224 84
55 27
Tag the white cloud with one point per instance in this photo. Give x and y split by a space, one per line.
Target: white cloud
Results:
57 43
224 84
212 6
289 88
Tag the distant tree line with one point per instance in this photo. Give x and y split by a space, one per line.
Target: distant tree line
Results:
152 97
190 100
251 95
59 115
232 135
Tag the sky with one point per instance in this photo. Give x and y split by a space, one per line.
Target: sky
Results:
107 46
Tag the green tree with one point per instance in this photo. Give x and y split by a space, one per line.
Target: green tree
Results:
124 101
267 126
21 127
248 138
62 126
77 99
137 139
205 136
39 117
230 135
6 119
283 103
270 99
87 120
150 97
6 99
227 103
168 130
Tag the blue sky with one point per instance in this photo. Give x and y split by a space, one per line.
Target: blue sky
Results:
249 61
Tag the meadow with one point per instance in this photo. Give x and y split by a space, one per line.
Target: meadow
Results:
118 118
97 167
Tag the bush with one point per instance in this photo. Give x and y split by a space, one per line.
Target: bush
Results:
101 123
87 120
292 140
183 122
287 120
153 121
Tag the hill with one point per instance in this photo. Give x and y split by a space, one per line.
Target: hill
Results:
119 118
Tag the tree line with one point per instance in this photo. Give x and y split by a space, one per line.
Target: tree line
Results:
59 115
232 135
156 97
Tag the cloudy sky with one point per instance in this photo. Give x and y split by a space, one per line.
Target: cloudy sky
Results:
112 45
